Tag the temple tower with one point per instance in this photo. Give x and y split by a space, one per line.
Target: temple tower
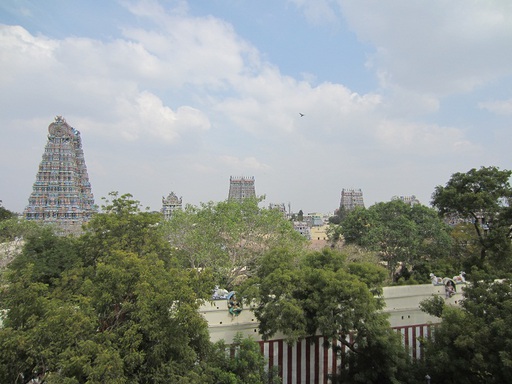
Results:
241 188
409 200
170 204
351 198
62 192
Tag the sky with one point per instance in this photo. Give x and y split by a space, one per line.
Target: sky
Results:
177 96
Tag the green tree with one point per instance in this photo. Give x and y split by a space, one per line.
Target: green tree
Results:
357 225
466 246
229 236
14 228
482 197
473 343
113 311
339 215
13 233
123 226
301 296
49 253
433 306
402 235
244 363
5 214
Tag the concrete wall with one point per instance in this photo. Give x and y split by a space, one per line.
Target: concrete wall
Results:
402 305
310 361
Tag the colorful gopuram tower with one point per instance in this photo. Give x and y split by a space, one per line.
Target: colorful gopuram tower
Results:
62 192
241 188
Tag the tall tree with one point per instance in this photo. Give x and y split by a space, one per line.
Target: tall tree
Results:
123 226
473 343
402 235
13 233
49 255
244 364
320 293
228 236
5 214
466 247
111 309
482 197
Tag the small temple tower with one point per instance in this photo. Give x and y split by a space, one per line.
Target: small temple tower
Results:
351 198
170 204
62 192
409 200
241 188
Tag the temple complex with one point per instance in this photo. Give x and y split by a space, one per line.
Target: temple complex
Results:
62 193
241 188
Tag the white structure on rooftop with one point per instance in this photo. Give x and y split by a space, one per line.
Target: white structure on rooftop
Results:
411 200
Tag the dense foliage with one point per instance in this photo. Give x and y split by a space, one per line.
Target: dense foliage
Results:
405 237
473 344
12 232
5 214
228 237
481 198
119 304
110 306
300 295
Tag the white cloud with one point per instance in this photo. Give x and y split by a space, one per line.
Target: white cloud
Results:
318 11
422 139
195 50
500 107
146 115
435 46
88 77
182 102
269 104
241 165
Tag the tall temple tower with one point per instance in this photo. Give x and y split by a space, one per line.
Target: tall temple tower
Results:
241 188
351 198
170 204
62 192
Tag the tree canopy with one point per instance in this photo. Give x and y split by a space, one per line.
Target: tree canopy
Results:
123 226
481 197
13 231
111 306
5 214
321 293
473 342
117 305
228 236
102 308
401 234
